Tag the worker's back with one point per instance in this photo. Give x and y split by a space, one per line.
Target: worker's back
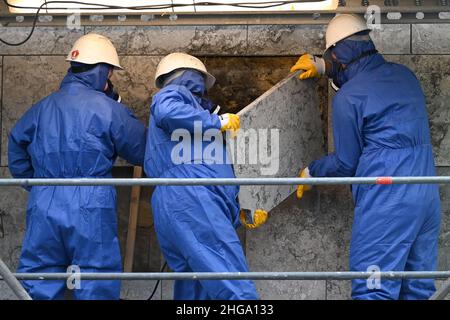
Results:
394 122
77 132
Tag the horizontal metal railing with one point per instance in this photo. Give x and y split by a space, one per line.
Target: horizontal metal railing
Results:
221 181
386 275
350 275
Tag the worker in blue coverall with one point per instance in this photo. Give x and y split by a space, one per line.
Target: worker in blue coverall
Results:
195 225
380 128
76 132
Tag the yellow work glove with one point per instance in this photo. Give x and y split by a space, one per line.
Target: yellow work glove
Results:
230 121
312 66
259 218
302 188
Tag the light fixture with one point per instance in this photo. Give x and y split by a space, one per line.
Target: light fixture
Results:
180 6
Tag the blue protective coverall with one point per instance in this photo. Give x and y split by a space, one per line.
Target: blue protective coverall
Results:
76 132
195 225
380 128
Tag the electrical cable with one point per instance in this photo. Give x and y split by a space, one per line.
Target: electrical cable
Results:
99 6
157 282
29 35
252 5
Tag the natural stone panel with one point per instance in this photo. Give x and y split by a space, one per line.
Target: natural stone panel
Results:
339 289
1 103
393 39
434 74
45 40
26 80
13 204
288 114
162 40
444 239
438 284
139 290
431 38
135 83
167 289
285 39
311 234
291 289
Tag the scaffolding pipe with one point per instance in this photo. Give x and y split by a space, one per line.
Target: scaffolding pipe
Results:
12 282
221 181
348 275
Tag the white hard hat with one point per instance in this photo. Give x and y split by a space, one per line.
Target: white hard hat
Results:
179 60
343 26
92 49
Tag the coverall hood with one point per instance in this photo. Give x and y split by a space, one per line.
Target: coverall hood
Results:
347 52
94 78
193 80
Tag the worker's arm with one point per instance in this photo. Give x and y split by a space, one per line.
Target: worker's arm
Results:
348 142
129 135
171 111
19 160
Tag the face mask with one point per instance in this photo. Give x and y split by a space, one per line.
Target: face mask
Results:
206 103
337 74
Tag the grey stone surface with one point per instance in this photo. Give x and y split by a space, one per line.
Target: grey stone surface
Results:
45 40
393 39
285 39
292 109
339 290
434 75
308 235
26 80
13 203
139 290
297 39
431 38
136 83
444 239
155 40
438 284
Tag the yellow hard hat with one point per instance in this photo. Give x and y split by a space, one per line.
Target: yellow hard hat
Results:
179 60
94 48
343 26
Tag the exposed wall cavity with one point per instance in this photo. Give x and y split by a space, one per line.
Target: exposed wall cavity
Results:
308 235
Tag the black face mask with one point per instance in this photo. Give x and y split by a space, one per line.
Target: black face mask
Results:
337 73
206 103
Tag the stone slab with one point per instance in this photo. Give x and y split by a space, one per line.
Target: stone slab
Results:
431 38
44 41
289 115
162 40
